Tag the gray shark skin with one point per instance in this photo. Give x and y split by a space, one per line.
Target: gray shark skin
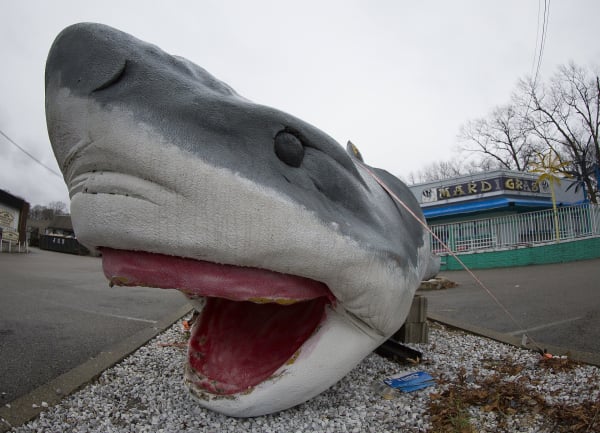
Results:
298 261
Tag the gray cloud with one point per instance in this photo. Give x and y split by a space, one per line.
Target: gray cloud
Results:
397 78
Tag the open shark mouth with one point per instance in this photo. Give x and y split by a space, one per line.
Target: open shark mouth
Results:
253 321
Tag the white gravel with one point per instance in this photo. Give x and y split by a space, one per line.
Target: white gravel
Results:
145 393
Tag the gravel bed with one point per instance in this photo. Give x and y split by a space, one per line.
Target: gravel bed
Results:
145 393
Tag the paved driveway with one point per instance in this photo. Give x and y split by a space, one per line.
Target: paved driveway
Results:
57 311
555 304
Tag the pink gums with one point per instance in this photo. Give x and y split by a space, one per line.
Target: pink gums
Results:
200 278
254 320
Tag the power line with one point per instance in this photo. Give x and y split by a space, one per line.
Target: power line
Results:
542 40
544 34
30 155
537 38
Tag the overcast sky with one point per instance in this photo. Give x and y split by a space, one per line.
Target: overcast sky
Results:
398 78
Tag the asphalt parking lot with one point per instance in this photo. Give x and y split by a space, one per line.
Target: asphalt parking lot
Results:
57 312
556 304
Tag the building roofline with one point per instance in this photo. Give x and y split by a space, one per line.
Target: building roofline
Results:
476 176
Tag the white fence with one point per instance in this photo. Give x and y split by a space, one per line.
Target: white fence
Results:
9 246
524 229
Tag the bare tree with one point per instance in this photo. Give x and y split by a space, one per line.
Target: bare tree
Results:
59 207
480 165
40 212
35 212
564 116
448 169
501 137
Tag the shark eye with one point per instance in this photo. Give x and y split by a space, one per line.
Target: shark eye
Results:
289 148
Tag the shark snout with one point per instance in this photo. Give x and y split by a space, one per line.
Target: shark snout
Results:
85 59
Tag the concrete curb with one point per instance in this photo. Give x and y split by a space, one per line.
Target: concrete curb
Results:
29 405
575 355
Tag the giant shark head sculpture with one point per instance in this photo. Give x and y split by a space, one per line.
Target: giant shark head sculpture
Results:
299 262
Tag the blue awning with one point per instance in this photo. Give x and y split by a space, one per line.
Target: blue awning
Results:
483 205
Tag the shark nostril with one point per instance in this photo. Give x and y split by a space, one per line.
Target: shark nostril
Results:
289 148
114 78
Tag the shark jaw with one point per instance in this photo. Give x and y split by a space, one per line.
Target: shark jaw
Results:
252 324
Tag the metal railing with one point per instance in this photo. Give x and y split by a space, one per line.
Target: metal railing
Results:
10 246
510 231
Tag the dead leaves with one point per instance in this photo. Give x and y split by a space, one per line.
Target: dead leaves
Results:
507 392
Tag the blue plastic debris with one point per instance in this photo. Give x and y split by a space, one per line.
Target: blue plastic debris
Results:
410 382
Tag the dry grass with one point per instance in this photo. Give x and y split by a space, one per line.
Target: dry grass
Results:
505 392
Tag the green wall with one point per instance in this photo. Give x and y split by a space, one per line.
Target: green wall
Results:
566 251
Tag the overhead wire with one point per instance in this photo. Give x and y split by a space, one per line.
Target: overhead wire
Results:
537 38
539 53
544 35
10 140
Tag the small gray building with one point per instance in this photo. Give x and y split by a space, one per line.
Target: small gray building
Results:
59 236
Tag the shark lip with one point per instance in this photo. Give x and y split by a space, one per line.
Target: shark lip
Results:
253 322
